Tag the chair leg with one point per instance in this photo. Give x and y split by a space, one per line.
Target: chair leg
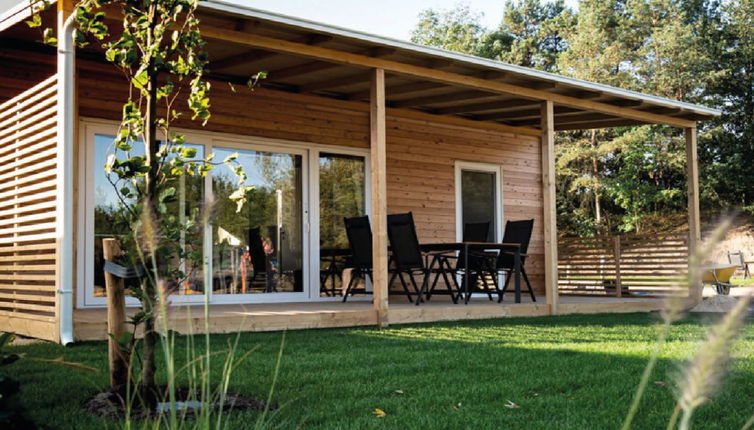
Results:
495 284
416 287
448 284
405 287
505 285
425 284
528 284
485 285
350 285
437 277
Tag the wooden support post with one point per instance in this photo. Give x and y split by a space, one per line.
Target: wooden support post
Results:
695 235
550 215
379 196
616 257
116 317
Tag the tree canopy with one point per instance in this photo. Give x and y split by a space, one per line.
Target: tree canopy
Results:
631 178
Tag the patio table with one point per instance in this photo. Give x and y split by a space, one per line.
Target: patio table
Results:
514 248
331 257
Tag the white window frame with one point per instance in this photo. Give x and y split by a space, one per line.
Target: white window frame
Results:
497 169
89 127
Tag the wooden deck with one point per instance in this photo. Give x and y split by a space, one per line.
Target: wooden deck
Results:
90 324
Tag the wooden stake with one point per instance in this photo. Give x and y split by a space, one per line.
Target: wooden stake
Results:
116 317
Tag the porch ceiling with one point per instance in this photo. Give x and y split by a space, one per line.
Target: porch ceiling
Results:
508 94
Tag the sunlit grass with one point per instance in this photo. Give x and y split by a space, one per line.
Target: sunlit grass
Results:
576 372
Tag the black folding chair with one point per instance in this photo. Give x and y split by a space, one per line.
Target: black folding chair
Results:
472 232
407 255
359 233
515 232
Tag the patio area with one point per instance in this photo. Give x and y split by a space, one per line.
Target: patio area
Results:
91 324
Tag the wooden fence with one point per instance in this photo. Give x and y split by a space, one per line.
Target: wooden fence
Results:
635 265
28 250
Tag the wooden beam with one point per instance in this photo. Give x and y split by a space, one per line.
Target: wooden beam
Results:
506 103
378 142
587 94
245 57
575 116
626 103
337 82
253 55
299 69
442 98
411 87
525 114
590 124
695 235
450 78
549 208
462 122
316 66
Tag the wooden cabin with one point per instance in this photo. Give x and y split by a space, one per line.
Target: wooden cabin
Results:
345 124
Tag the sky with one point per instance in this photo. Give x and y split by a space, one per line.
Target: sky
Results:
391 18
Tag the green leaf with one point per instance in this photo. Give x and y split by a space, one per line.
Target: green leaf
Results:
35 21
141 79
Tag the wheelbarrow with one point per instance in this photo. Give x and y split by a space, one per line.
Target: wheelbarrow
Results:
718 276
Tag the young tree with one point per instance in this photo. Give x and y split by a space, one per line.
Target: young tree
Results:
158 46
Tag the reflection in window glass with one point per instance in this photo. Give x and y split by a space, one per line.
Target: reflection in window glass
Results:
260 248
108 223
342 188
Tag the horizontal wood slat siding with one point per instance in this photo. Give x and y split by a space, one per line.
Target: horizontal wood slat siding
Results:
28 250
648 265
421 156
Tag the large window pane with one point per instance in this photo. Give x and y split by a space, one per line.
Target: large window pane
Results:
109 224
342 188
260 248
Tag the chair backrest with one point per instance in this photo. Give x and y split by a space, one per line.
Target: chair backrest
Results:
404 242
516 232
737 258
256 250
359 233
476 231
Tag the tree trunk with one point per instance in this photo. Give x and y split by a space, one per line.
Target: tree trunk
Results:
148 388
596 176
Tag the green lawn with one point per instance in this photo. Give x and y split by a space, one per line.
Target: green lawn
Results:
568 372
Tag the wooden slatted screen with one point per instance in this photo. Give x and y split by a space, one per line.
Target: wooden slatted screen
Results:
641 265
28 251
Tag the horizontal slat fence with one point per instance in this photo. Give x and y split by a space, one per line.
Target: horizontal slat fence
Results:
632 265
28 251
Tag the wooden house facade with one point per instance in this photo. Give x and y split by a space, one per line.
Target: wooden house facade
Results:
345 124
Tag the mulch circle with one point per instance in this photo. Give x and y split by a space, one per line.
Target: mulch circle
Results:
110 404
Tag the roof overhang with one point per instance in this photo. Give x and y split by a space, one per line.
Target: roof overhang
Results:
309 57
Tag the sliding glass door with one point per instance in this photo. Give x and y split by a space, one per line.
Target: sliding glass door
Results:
259 250
287 243
342 194
106 221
